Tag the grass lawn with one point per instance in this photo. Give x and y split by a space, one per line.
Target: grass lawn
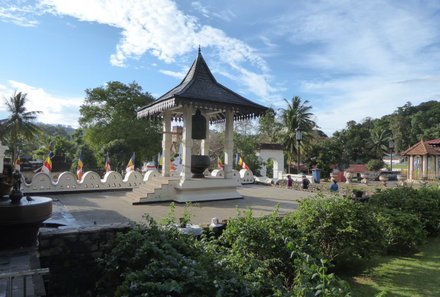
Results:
416 276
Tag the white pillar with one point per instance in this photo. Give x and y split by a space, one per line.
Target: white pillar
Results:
425 166
166 143
411 167
3 149
229 143
204 144
187 142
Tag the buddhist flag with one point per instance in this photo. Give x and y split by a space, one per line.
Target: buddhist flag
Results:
107 163
17 164
130 165
80 167
47 165
220 164
244 165
239 160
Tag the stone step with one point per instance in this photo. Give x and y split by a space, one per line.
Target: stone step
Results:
150 189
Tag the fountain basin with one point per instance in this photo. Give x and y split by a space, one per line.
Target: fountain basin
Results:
19 223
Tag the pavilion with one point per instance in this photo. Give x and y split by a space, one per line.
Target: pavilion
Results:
199 94
424 160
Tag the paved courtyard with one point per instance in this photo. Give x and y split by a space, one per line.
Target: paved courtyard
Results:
88 209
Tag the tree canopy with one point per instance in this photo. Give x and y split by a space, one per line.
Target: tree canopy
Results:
108 115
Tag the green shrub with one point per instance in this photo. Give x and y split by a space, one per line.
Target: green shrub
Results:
268 252
154 261
375 165
403 232
313 279
256 247
424 203
343 231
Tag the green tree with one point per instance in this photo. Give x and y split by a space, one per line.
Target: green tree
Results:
269 127
379 142
19 126
297 114
109 113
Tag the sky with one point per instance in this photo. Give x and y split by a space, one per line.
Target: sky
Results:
349 59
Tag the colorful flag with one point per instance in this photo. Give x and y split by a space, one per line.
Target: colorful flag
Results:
239 160
47 165
220 164
244 166
130 165
80 167
17 164
107 163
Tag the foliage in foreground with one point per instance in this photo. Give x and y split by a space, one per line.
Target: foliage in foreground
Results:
275 255
424 203
402 232
343 231
153 261
254 257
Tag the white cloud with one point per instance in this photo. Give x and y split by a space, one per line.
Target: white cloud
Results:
55 109
359 51
369 98
21 15
162 30
175 74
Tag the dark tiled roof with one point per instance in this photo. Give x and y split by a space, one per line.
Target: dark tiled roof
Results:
200 89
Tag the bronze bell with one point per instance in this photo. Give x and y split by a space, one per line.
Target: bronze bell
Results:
198 126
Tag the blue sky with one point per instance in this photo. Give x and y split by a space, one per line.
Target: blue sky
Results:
349 59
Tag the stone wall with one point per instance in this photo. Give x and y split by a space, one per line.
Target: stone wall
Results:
71 256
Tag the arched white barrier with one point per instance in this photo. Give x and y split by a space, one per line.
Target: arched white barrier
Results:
91 181
246 176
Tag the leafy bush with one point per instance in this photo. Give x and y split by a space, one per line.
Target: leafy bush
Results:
153 261
375 165
269 252
313 279
424 203
256 247
403 232
343 231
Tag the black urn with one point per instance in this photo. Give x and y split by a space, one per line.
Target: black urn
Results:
199 163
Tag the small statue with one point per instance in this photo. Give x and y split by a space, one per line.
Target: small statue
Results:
16 193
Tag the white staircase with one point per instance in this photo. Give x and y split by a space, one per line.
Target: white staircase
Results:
158 189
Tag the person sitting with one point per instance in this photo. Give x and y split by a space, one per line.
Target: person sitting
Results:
305 182
289 182
334 186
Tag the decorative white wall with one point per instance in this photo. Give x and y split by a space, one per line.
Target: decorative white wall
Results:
91 181
278 162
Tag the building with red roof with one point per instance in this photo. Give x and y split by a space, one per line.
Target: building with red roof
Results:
423 160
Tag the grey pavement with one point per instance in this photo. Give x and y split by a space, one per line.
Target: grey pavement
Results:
88 209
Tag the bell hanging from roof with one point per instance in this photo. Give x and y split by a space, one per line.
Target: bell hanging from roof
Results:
198 126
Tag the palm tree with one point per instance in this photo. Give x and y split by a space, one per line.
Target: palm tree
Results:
379 141
19 125
297 114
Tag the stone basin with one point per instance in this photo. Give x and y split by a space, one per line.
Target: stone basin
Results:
19 223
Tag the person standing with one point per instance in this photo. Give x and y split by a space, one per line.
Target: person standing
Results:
289 182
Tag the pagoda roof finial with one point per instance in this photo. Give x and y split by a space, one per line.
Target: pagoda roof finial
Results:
200 50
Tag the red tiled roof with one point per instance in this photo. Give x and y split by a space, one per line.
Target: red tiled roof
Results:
423 148
354 168
434 141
